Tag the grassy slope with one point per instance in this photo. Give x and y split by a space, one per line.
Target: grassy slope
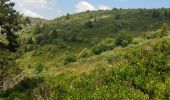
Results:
139 71
133 22
118 74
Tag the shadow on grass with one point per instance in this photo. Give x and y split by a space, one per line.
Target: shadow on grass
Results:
22 90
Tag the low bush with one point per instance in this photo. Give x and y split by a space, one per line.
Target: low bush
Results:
30 47
159 33
69 59
99 48
39 68
105 45
123 39
89 24
85 53
38 39
73 37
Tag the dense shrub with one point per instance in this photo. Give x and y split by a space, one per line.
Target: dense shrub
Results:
105 45
30 47
99 48
159 33
164 30
39 68
89 24
69 59
117 26
153 34
73 37
123 39
85 53
22 90
68 16
37 29
156 14
28 40
117 16
37 39
53 34
140 72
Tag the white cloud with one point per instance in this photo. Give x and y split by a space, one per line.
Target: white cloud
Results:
41 2
31 14
29 7
103 7
84 6
36 4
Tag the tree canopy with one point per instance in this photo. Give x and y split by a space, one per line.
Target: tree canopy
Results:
10 21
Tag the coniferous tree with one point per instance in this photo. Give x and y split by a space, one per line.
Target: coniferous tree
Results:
155 14
166 13
10 21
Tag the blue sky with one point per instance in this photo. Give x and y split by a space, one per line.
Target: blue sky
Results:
50 9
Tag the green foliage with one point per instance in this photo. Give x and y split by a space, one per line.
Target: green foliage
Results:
53 34
153 34
10 21
69 59
167 14
99 48
164 29
160 33
68 16
8 67
27 19
156 14
117 17
89 24
37 29
39 68
85 53
103 46
30 47
140 71
147 69
72 37
22 90
38 39
123 39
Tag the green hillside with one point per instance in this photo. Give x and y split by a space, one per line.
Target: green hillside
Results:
95 55
72 33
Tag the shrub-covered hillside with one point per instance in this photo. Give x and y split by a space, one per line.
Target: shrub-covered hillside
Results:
138 71
48 41
115 54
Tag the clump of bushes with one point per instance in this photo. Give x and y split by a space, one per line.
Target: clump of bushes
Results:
85 53
153 34
69 59
123 39
105 45
164 29
53 34
99 48
73 37
117 17
30 47
39 68
89 24
140 72
159 33
37 39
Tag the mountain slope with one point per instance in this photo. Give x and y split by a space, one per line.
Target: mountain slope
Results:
72 33
81 56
